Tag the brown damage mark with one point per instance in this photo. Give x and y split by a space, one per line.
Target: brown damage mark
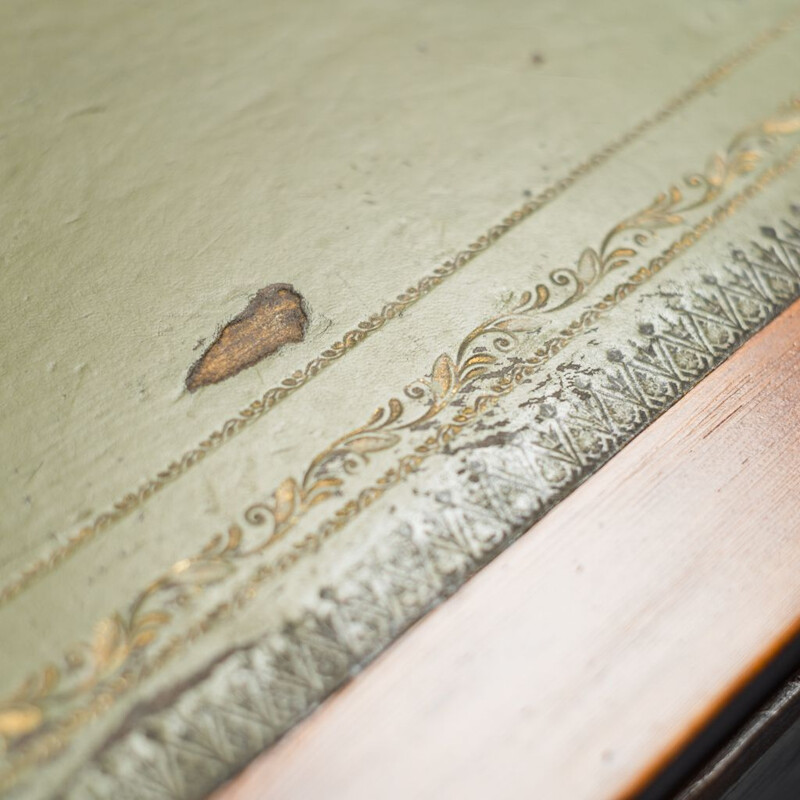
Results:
273 318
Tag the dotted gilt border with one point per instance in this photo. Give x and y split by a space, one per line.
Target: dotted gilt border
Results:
40 719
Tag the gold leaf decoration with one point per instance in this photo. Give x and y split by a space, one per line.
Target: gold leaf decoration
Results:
782 127
109 643
19 720
119 638
444 374
363 445
669 209
285 501
202 572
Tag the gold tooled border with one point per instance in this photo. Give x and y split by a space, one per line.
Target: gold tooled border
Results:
259 407
40 749
509 382
580 422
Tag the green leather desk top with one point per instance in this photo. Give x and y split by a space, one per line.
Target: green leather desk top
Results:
508 236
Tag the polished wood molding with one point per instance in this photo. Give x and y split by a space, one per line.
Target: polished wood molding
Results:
579 662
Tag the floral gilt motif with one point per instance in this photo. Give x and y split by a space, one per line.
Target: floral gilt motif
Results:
670 208
479 365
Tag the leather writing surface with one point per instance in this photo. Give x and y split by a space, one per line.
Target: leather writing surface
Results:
165 164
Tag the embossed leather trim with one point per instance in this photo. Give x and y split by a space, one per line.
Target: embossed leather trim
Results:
470 513
121 652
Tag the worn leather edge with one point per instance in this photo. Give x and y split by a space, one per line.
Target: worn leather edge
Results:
122 640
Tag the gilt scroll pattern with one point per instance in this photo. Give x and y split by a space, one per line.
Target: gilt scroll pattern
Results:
471 510
669 209
481 355
483 368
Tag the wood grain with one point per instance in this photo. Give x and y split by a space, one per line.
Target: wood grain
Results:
582 659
